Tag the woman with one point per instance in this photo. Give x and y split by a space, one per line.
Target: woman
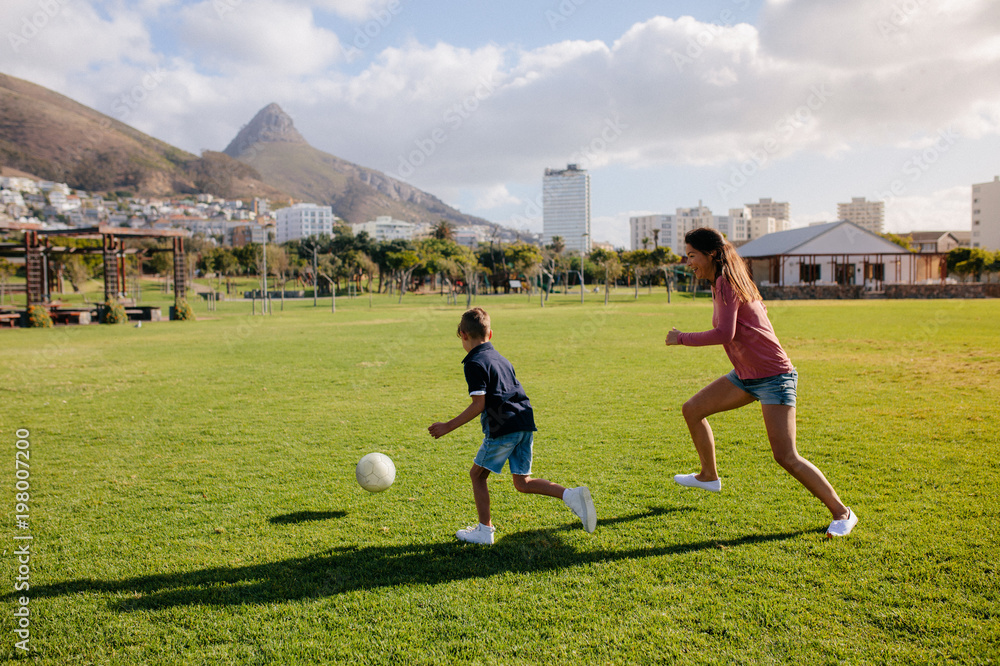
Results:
761 371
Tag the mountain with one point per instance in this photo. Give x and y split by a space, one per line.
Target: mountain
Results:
275 149
55 138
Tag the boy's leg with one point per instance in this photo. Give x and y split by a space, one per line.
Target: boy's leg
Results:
523 483
481 492
577 499
719 396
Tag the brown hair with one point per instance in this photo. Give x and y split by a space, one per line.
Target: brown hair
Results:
475 323
728 262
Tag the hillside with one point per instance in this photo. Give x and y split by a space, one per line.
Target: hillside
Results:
275 149
52 136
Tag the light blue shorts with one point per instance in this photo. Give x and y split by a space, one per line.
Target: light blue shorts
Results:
776 390
515 447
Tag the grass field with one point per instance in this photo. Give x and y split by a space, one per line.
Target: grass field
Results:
192 497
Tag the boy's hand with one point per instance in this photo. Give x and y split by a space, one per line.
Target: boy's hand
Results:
438 429
672 337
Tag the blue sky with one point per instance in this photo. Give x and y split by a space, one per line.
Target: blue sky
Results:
665 103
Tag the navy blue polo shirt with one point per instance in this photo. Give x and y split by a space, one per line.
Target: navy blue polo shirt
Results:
507 407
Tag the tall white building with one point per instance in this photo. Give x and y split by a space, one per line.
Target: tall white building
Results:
566 207
986 215
779 210
869 215
303 220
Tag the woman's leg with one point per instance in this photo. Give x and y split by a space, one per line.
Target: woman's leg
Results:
780 423
719 396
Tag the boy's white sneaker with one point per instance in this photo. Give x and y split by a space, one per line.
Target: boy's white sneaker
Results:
579 500
477 534
690 481
842 527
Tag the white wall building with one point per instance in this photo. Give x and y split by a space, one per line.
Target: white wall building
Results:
669 230
833 253
779 210
303 220
566 208
384 229
866 214
471 236
986 215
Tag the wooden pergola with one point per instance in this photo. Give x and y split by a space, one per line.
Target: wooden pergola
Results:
38 249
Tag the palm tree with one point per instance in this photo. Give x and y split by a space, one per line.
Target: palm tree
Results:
442 231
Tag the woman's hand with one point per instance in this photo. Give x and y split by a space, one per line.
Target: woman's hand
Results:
672 337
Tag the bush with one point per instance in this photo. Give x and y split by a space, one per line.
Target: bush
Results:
38 317
183 311
113 312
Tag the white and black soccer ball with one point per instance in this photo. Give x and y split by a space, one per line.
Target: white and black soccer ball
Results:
375 472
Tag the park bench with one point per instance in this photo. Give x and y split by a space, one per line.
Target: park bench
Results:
9 319
144 313
70 316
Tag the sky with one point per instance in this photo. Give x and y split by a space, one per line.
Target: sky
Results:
666 104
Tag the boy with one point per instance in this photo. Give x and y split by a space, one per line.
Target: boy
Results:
508 428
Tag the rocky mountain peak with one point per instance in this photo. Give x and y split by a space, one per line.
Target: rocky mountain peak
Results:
270 125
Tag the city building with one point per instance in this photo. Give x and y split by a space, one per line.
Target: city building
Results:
780 211
866 214
986 215
384 228
471 236
566 208
303 220
652 231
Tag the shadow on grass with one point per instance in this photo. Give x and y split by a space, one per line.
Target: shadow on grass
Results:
305 517
352 568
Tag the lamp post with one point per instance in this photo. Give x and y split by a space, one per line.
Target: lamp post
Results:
583 247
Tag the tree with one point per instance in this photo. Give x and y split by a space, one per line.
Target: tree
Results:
443 231
369 267
662 258
329 267
403 264
6 272
966 261
524 258
469 262
905 242
639 261
227 263
608 260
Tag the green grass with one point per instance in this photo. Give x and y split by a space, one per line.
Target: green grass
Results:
193 499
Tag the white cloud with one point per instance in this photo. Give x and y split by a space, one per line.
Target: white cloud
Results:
943 210
825 78
494 197
269 37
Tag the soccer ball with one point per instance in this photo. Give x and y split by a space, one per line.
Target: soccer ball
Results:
375 472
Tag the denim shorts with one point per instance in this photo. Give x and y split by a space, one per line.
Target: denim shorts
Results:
776 390
515 447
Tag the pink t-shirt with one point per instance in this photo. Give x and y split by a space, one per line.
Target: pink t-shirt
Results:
745 332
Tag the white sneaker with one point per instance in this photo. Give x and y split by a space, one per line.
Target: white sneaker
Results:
477 534
690 481
578 499
842 527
